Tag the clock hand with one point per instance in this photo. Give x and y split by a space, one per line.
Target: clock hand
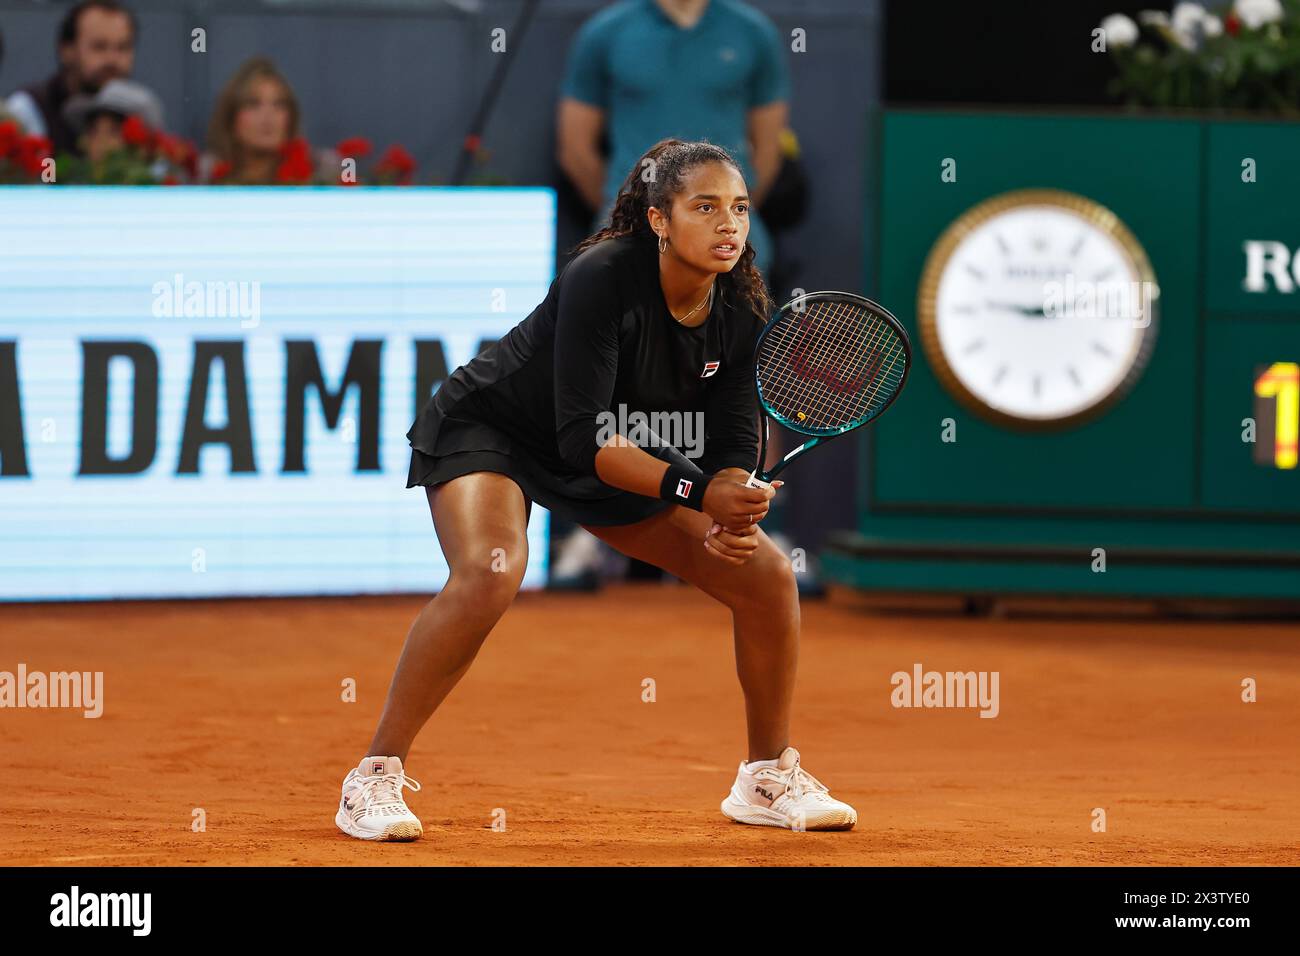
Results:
1035 312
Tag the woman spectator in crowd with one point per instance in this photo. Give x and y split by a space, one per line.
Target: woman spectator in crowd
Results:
254 136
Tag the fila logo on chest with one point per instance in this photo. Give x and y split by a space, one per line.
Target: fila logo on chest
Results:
710 369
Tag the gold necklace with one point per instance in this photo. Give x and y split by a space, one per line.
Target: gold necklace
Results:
707 298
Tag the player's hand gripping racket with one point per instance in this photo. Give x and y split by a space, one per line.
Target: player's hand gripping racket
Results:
827 363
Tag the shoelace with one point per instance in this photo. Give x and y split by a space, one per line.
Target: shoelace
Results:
386 789
798 782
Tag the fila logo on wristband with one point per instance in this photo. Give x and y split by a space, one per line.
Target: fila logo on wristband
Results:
685 485
710 368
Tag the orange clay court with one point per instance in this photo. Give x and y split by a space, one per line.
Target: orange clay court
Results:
235 707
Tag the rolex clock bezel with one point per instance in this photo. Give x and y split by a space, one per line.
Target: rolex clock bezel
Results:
1091 213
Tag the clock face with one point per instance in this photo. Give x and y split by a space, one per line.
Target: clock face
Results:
1037 308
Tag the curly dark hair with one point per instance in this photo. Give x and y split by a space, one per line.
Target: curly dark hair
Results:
671 160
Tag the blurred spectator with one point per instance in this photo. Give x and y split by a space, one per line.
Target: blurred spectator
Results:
696 69
96 44
254 135
784 207
98 119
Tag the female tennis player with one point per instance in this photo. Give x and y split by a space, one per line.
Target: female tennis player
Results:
659 312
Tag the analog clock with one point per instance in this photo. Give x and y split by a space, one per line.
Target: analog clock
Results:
1037 308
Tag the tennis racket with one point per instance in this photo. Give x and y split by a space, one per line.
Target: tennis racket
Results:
827 363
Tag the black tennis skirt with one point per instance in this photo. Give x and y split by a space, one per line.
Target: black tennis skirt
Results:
449 444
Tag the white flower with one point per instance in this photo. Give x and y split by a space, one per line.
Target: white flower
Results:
1257 13
1190 24
1212 26
1187 17
1120 31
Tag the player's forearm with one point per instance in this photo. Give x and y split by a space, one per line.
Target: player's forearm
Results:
624 465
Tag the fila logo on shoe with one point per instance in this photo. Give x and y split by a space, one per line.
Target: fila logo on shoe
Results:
377 767
710 368
769 796
684 487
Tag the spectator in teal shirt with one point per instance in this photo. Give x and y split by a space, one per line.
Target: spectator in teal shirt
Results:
693 69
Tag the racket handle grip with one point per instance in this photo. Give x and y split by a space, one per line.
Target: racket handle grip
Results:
756 482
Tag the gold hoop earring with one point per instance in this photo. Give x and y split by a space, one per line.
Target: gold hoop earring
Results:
663 244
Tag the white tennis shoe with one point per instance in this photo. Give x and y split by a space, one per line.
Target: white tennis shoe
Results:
371 805
786 796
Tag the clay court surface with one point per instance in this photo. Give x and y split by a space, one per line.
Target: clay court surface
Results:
235 707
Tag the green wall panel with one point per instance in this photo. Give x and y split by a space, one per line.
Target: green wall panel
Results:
1048 578
1162 480
1142 453
1264 211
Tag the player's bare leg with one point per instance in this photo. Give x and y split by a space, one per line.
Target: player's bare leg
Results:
481 520
771 788
764 601
474 515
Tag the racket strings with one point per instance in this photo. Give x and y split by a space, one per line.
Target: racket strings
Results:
837 364
802 384
837 376
832 365
800 367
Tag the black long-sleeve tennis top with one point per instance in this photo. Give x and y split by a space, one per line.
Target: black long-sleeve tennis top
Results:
603 341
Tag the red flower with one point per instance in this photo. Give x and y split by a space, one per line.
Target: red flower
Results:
355 147
220 171
173 148
296 167
190 161
179 152
397 161
9 137
32 152
170 180
295 149
136 133
1232 24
